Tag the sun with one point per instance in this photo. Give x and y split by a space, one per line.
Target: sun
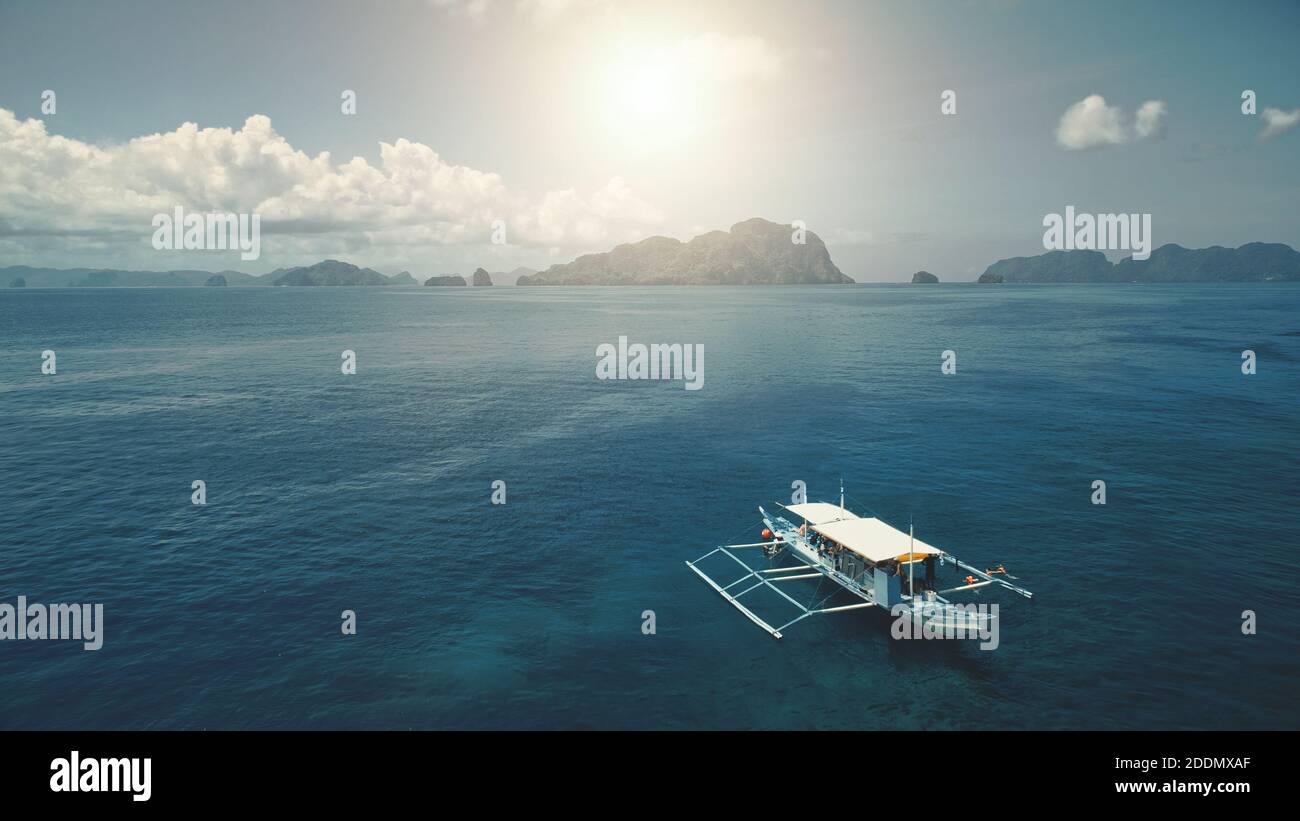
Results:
649 91
650 99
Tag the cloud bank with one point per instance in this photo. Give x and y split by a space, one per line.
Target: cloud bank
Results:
54 186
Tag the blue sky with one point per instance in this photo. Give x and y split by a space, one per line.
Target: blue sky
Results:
582 124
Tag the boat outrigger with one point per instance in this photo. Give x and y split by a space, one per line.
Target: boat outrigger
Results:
870 559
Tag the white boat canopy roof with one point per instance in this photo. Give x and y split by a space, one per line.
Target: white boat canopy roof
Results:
872 539
816 513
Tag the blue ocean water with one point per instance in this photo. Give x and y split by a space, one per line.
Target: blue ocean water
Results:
371 492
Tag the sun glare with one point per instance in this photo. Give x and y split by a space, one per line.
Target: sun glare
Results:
650 100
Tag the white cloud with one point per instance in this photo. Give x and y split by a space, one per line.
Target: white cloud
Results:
1276 121
52 186
1150 119
1090 123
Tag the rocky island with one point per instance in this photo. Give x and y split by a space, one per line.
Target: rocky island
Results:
450 279
511 277
754 252
331 272
1253 262
924 277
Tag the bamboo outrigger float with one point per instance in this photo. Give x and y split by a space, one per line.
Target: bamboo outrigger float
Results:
871 560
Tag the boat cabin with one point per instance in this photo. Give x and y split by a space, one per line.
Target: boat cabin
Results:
880 558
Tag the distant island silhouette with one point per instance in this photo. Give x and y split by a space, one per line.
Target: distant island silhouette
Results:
753 252
1253 262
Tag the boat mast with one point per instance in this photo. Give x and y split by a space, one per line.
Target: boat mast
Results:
911 562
